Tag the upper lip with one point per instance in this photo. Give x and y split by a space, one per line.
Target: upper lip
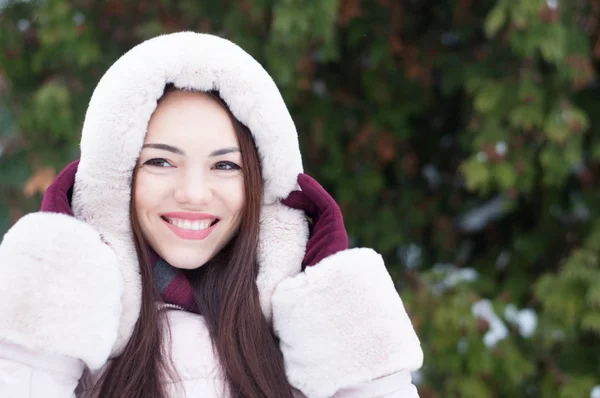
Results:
190 216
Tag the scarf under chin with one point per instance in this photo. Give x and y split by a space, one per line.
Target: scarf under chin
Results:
172 284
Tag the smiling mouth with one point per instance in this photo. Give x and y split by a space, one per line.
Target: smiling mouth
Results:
191 225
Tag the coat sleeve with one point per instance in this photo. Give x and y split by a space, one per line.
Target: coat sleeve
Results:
60 305
26 373
344 331
397 385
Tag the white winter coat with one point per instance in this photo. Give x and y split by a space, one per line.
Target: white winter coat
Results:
69 302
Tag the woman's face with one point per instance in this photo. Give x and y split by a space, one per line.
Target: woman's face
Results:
189 189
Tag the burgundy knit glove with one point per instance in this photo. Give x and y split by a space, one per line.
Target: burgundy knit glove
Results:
328 234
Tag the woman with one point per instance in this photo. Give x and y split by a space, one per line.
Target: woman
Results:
174 259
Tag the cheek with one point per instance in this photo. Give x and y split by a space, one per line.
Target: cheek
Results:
235 196
149 191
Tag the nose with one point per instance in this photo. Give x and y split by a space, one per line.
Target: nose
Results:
193 188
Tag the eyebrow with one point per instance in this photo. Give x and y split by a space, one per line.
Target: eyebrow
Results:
170 148
165 147
224 151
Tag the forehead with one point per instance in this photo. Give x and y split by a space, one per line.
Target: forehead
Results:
191 120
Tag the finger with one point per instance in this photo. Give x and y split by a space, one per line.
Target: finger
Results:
306 182
296 199
316 193
299 200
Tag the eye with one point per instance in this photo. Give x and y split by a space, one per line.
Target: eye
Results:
226 166
158 162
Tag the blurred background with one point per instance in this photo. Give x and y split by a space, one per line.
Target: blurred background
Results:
461 138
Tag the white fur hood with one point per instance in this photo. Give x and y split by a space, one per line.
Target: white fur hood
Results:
114 130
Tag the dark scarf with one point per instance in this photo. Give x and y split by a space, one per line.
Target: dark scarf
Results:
172 284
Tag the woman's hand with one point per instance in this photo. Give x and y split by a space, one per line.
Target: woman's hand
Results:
60 288
328 233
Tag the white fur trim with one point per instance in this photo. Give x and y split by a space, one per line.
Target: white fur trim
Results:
117 119
60 288
125 98
283 237
342 323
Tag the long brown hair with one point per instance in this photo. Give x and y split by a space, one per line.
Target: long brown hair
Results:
227 296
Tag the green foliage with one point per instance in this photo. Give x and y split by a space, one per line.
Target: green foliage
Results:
460 133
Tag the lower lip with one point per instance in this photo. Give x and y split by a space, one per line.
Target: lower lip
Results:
189 234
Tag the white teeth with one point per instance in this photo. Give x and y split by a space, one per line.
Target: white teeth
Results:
196 225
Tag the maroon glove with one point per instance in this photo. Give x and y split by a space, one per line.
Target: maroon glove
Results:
328 234
57 197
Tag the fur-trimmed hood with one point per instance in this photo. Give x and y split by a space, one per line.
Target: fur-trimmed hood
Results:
114 130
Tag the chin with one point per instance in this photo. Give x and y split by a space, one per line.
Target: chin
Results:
187 260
